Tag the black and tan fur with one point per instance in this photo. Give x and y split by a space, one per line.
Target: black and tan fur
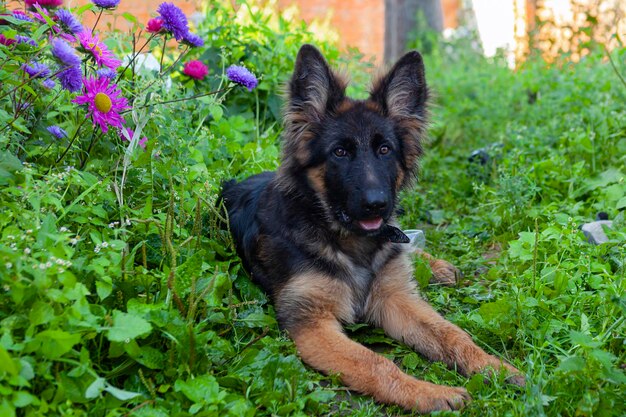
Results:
318 234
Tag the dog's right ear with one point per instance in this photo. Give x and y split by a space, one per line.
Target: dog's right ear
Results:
314 89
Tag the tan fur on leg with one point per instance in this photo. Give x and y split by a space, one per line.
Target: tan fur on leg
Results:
395 306
311 305
325 347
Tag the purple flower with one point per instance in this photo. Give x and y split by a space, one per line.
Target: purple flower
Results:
48 83
193 40
241 75
25 39
37 70
106 72
174 20
69 21
18 14
57 132
106 4
71 78
65 53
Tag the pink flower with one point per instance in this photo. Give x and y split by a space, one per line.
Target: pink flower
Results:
104 102
44 3
154 25
6 41
129 134
196 69
98 50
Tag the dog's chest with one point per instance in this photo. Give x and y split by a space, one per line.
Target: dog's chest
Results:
359 272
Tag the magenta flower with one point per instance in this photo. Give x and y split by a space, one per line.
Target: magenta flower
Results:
98 50
44 3
196 69
154 25
6 41
40 12
104 102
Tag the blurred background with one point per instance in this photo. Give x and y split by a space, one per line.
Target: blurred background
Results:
383 29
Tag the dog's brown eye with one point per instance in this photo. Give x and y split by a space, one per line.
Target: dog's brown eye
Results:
340 152
383 150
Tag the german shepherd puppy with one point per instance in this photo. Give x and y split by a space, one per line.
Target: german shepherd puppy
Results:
318 235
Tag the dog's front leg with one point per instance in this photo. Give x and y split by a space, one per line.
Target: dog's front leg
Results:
395 305
309 308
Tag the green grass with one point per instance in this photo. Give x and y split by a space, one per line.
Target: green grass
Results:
138 305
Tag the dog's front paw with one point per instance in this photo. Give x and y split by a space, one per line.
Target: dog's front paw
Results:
515 377
441 398
444 272
493 364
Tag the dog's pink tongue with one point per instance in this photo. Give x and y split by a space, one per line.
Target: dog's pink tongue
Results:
371 224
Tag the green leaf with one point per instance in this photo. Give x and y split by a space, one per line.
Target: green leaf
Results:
6 362
190 270
216 111
127 327
523 248
40 313
258 319
129 17
23 399
411 361
56 343
96 387
6 409
9 165
199 390
582 339
572 364
121 394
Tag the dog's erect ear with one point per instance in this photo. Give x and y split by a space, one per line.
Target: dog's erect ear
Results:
402 92
402 95
314 89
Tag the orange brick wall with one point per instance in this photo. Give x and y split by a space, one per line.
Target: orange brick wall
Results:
360 23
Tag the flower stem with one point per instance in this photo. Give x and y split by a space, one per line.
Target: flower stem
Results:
608 54
94 138
97 20
134 57
70 144
162 53
182 99
168 69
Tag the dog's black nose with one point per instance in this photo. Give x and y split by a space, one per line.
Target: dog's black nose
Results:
374 201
